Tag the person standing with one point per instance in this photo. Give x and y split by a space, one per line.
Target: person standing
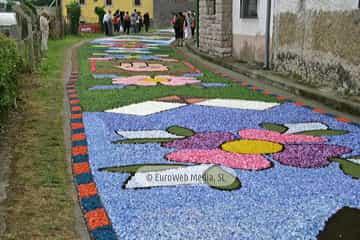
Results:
122 25
44 28
173 20
146 21
179 29
116 21
193 24
187 25
110 24
141 21
106 19
133 19
127 23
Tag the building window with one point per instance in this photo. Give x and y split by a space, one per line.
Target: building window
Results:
108 2
137 2
82 2
211 7
248 9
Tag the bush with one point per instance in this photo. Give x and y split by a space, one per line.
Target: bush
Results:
74 13
100 12
9 68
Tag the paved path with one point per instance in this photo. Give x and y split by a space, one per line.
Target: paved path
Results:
164 148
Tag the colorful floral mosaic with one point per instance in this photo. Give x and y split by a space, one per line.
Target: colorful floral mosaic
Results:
190 167
153 81
261 153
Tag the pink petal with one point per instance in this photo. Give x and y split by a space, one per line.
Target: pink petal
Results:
178 81
216 156
256 134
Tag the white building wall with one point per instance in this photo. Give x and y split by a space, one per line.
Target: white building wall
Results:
249 26
249 33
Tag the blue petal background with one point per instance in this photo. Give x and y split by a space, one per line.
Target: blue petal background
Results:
279 203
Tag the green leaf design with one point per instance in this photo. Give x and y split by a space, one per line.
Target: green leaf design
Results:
328 132
142 140
180 131
132 169
349 168
218 178
274 127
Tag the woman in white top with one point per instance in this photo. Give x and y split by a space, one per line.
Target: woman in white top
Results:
44 28
107 21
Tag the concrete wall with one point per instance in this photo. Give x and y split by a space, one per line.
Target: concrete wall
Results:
216 29
318 41
249 33
163 10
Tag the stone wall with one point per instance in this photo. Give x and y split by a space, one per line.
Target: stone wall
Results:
163 10
319 43
216 27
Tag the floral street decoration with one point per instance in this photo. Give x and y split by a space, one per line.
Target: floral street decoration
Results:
153 81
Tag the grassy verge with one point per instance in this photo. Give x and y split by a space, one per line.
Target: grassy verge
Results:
39 203
101 100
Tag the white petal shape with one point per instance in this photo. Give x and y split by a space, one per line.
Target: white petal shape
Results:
149 134
146 108
238 104
356 161
172 177
301 127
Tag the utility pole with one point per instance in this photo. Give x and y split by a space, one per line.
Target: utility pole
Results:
197 23
267 35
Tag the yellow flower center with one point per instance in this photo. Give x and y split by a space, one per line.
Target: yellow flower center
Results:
252 147
133 57
156 79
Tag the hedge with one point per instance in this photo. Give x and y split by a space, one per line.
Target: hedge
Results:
9 67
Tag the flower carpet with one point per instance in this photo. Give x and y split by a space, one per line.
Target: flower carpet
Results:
157 157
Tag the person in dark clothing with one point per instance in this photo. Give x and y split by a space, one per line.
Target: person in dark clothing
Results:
193 24
116 21
173 20
122 25
141 21
179 29
127 23
146 21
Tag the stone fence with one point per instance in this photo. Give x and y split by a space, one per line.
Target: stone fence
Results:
29 37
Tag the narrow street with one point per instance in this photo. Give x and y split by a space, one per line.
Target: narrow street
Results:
165 148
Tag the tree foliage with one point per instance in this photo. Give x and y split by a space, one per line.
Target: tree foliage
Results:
100 12
9 68
74 13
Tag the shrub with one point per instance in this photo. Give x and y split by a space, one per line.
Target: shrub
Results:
100 12
9 68
74 13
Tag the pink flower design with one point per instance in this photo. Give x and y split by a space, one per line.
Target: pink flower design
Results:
148 81
248 152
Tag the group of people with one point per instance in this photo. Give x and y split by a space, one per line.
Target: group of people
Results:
184 26
124 22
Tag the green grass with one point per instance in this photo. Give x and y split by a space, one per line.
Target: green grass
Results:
39 205
101 100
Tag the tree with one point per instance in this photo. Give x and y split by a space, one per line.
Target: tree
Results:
100 12
74 13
